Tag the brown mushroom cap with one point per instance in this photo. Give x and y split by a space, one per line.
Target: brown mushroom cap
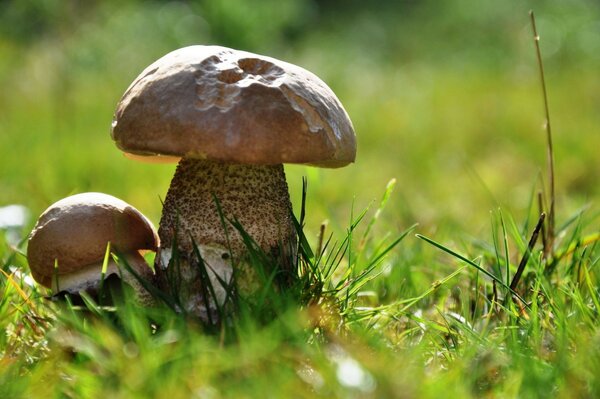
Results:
215 103
75 232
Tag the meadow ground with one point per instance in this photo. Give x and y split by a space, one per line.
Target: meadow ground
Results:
445 99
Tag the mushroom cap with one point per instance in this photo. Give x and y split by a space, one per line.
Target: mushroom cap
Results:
215 103
75 232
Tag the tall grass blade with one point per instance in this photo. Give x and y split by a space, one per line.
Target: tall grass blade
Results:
22 294
550 151
527 254
389 189
206 287
473 264
147 285
224 224
506 251
542 210
105 261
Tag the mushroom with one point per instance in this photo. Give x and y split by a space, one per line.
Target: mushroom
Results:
231 119
68 244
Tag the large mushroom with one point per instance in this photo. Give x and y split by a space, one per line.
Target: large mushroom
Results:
68 244
231 119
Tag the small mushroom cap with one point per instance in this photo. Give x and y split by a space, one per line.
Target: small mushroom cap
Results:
75 232
215 103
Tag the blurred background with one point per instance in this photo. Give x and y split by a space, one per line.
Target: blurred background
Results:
445 97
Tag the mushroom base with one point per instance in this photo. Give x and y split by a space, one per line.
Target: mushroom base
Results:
202 251
90 279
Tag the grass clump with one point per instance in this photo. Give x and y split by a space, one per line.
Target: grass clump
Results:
154 351
462 327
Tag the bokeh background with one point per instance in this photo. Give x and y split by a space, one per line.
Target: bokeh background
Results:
445 97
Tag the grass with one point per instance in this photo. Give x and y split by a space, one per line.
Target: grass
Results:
382 307
346 330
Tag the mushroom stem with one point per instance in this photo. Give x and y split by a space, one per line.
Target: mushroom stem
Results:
89 278
255 195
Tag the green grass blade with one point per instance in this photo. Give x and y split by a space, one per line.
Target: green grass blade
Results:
473 264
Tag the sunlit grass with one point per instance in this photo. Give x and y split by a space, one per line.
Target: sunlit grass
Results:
346 329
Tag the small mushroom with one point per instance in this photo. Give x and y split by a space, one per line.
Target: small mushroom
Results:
67 246
231 119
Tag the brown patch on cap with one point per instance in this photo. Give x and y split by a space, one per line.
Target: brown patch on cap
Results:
211 102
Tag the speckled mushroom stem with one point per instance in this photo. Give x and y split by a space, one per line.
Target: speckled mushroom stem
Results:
255 195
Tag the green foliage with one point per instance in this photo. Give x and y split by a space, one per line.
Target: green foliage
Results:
329 334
